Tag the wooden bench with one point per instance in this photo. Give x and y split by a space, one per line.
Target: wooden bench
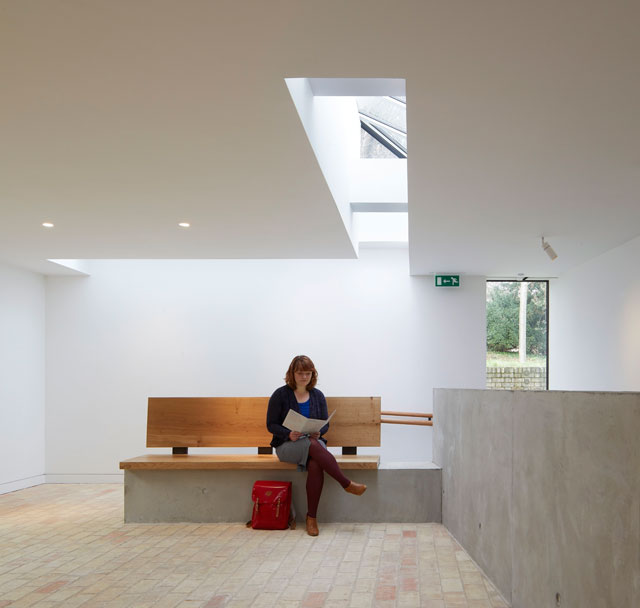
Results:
198 487
181 423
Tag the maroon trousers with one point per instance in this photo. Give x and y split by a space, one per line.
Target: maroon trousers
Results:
319 461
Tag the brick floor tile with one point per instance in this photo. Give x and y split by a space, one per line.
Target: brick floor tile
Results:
361 600
293 592
451 584
476 592
340 592
143 586
471 578
386 592
345 579
409 599
433 604
217 601
314 599
455 600
349 566
409 584
448 572
432 593
51 587
170 600
365 585
320 585
384 603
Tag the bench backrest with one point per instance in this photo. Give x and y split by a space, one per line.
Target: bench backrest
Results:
241 422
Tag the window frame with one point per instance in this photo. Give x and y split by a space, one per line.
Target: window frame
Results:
546 303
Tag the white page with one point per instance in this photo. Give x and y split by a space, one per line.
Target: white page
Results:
298 422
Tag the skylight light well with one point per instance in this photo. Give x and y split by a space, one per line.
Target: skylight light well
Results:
358 130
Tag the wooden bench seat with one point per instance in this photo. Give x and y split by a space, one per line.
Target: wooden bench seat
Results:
234 461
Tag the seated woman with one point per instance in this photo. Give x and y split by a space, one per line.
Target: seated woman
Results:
309 452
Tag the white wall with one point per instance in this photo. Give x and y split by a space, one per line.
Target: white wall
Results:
135 329
22 365
594 324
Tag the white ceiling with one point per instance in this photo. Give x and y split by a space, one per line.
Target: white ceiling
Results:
119 119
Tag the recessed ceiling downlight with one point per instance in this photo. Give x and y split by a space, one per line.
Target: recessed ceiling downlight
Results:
47 224
184 225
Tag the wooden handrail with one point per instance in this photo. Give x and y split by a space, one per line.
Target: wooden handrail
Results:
415 422
428 422
414 414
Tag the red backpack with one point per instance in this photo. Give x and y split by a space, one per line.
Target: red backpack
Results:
271 505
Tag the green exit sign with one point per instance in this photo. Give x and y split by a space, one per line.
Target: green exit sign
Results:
447 280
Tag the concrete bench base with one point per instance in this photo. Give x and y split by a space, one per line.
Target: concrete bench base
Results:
393 495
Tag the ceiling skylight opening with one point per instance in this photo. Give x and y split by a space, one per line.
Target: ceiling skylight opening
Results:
383 126
357 128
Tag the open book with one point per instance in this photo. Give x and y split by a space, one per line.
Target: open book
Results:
298 422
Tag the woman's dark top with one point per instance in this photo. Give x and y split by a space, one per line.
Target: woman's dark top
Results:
283 400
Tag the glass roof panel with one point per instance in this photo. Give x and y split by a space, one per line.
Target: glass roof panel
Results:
372 148
384 119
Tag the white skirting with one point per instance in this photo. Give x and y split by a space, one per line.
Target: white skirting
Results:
21 484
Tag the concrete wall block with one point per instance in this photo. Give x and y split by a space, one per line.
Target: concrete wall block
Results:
576 499
554 477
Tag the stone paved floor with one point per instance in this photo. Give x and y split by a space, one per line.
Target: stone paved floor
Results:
67 546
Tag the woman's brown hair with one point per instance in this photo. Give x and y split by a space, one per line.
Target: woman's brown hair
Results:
301 363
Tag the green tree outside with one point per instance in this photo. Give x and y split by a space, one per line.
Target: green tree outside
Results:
503 307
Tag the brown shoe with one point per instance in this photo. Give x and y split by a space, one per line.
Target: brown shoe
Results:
356 488
312 526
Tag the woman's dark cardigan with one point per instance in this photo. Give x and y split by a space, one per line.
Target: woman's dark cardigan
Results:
283 400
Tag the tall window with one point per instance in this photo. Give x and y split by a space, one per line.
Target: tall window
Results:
517 335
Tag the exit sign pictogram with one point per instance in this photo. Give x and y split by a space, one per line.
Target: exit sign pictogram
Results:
447 280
